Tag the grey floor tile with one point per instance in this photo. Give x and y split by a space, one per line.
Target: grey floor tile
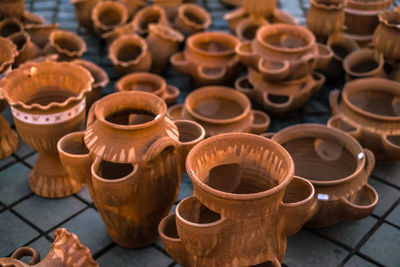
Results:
356 261
23 149
394 216
186 187
32 159
388 172
84 194
384 245
14 233
42 245
14 183
7 161
119 256
387 196
47 213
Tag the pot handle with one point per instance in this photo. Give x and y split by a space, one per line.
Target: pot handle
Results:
347 127
175 112
246 54
249 91
334 101
279 107
318 81
27 252
360 204
260 122
171 94
180 63
268 135
370 161
211 74
391 146
273 70
157 147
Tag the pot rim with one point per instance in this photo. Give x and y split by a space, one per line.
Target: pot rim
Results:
331 6
142 77
142 14
364 51
92 67
104 4
13 50
80 134
72 36
162 225
383 18
96 164
197 10
137 40
340 39
211 36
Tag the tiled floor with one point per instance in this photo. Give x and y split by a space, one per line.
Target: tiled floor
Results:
29 220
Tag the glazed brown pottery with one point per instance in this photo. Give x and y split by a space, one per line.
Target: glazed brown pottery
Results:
68 45
209 58
165 37
107 15
245 203
47 101
369 111
387 37
247 28
12 8
26 49
337 166
220 109
363 63
146 16
259 8
148 82
83 10
40 34
279 99
325 18
130 53
65 251
137 153
192 19
10 26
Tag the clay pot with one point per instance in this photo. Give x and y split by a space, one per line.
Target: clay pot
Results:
337 166
220 110
100 78
146 16
369 111
47 101
12 8
110 36
279 99
133 6
165 37
325 18
244 204
10 26
68 45
129 53
107 15
148 82
363 63
65 251
83 11
325 56
209 58
191 19
170 7
259 8
26 49
31 18
8 54
246 29
387 37
40 34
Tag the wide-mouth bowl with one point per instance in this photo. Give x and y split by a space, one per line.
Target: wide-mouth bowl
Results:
363 62
217 104
8 52
239 166
142 81
99 75
213 43
322 155
67 43
127 49
194 16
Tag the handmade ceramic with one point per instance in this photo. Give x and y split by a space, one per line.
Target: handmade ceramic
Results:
100 78
191 19
31 18
26 49
247 28
279 99
12 8
220 109
209 58
363 63
47 101
245 203
337 166
83 11
148 82
130 53
133 152
325 18
65 251
165 37
369 111
147 16
40 34
110 36
68 45
107 15
170 7
10 26
325 56
387 37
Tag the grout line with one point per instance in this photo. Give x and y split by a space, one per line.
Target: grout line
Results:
102 251
384 181
66 220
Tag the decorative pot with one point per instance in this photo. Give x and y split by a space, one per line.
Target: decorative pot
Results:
83 11
47 101
244 204
68 45
247 28
363 63
209 58
65 251
31 18
337 166
100 78
148 82
369 110
10 26
387 37
129 53
119 31
220 110
12 8
135 153
191 19
165 37
40 34
279 99
325 18
146 16
259 8
107 15
26 49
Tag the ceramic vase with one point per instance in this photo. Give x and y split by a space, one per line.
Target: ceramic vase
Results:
65 251
68 45
10 26
363 63
387 36
245 202
107 15
40 35
47 101
27 50
191 19
12 8
83 10
146 16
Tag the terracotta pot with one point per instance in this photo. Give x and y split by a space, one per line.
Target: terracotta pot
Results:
245 202
31 18
83 11
337 166
165 37
259 8
100 80
325 56
110 36
148 82
363 63
325 18
68 45
219 110
47 101
146 16
387 37
12 8
129 53
191 19
279 99
369 111
247 28
65 251
10 26
170 7
40 34
26 49
209 58
107 15
133 6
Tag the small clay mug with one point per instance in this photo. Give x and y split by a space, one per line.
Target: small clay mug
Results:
191 19
363 63
68 45
107 15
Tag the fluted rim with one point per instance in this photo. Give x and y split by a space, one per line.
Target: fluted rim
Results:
223 37
94 68
328 4
198 10
166 32
141 77
12 50
127 39
390 19
107 4
72 37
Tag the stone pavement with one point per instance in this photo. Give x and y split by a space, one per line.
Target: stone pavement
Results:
29 220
